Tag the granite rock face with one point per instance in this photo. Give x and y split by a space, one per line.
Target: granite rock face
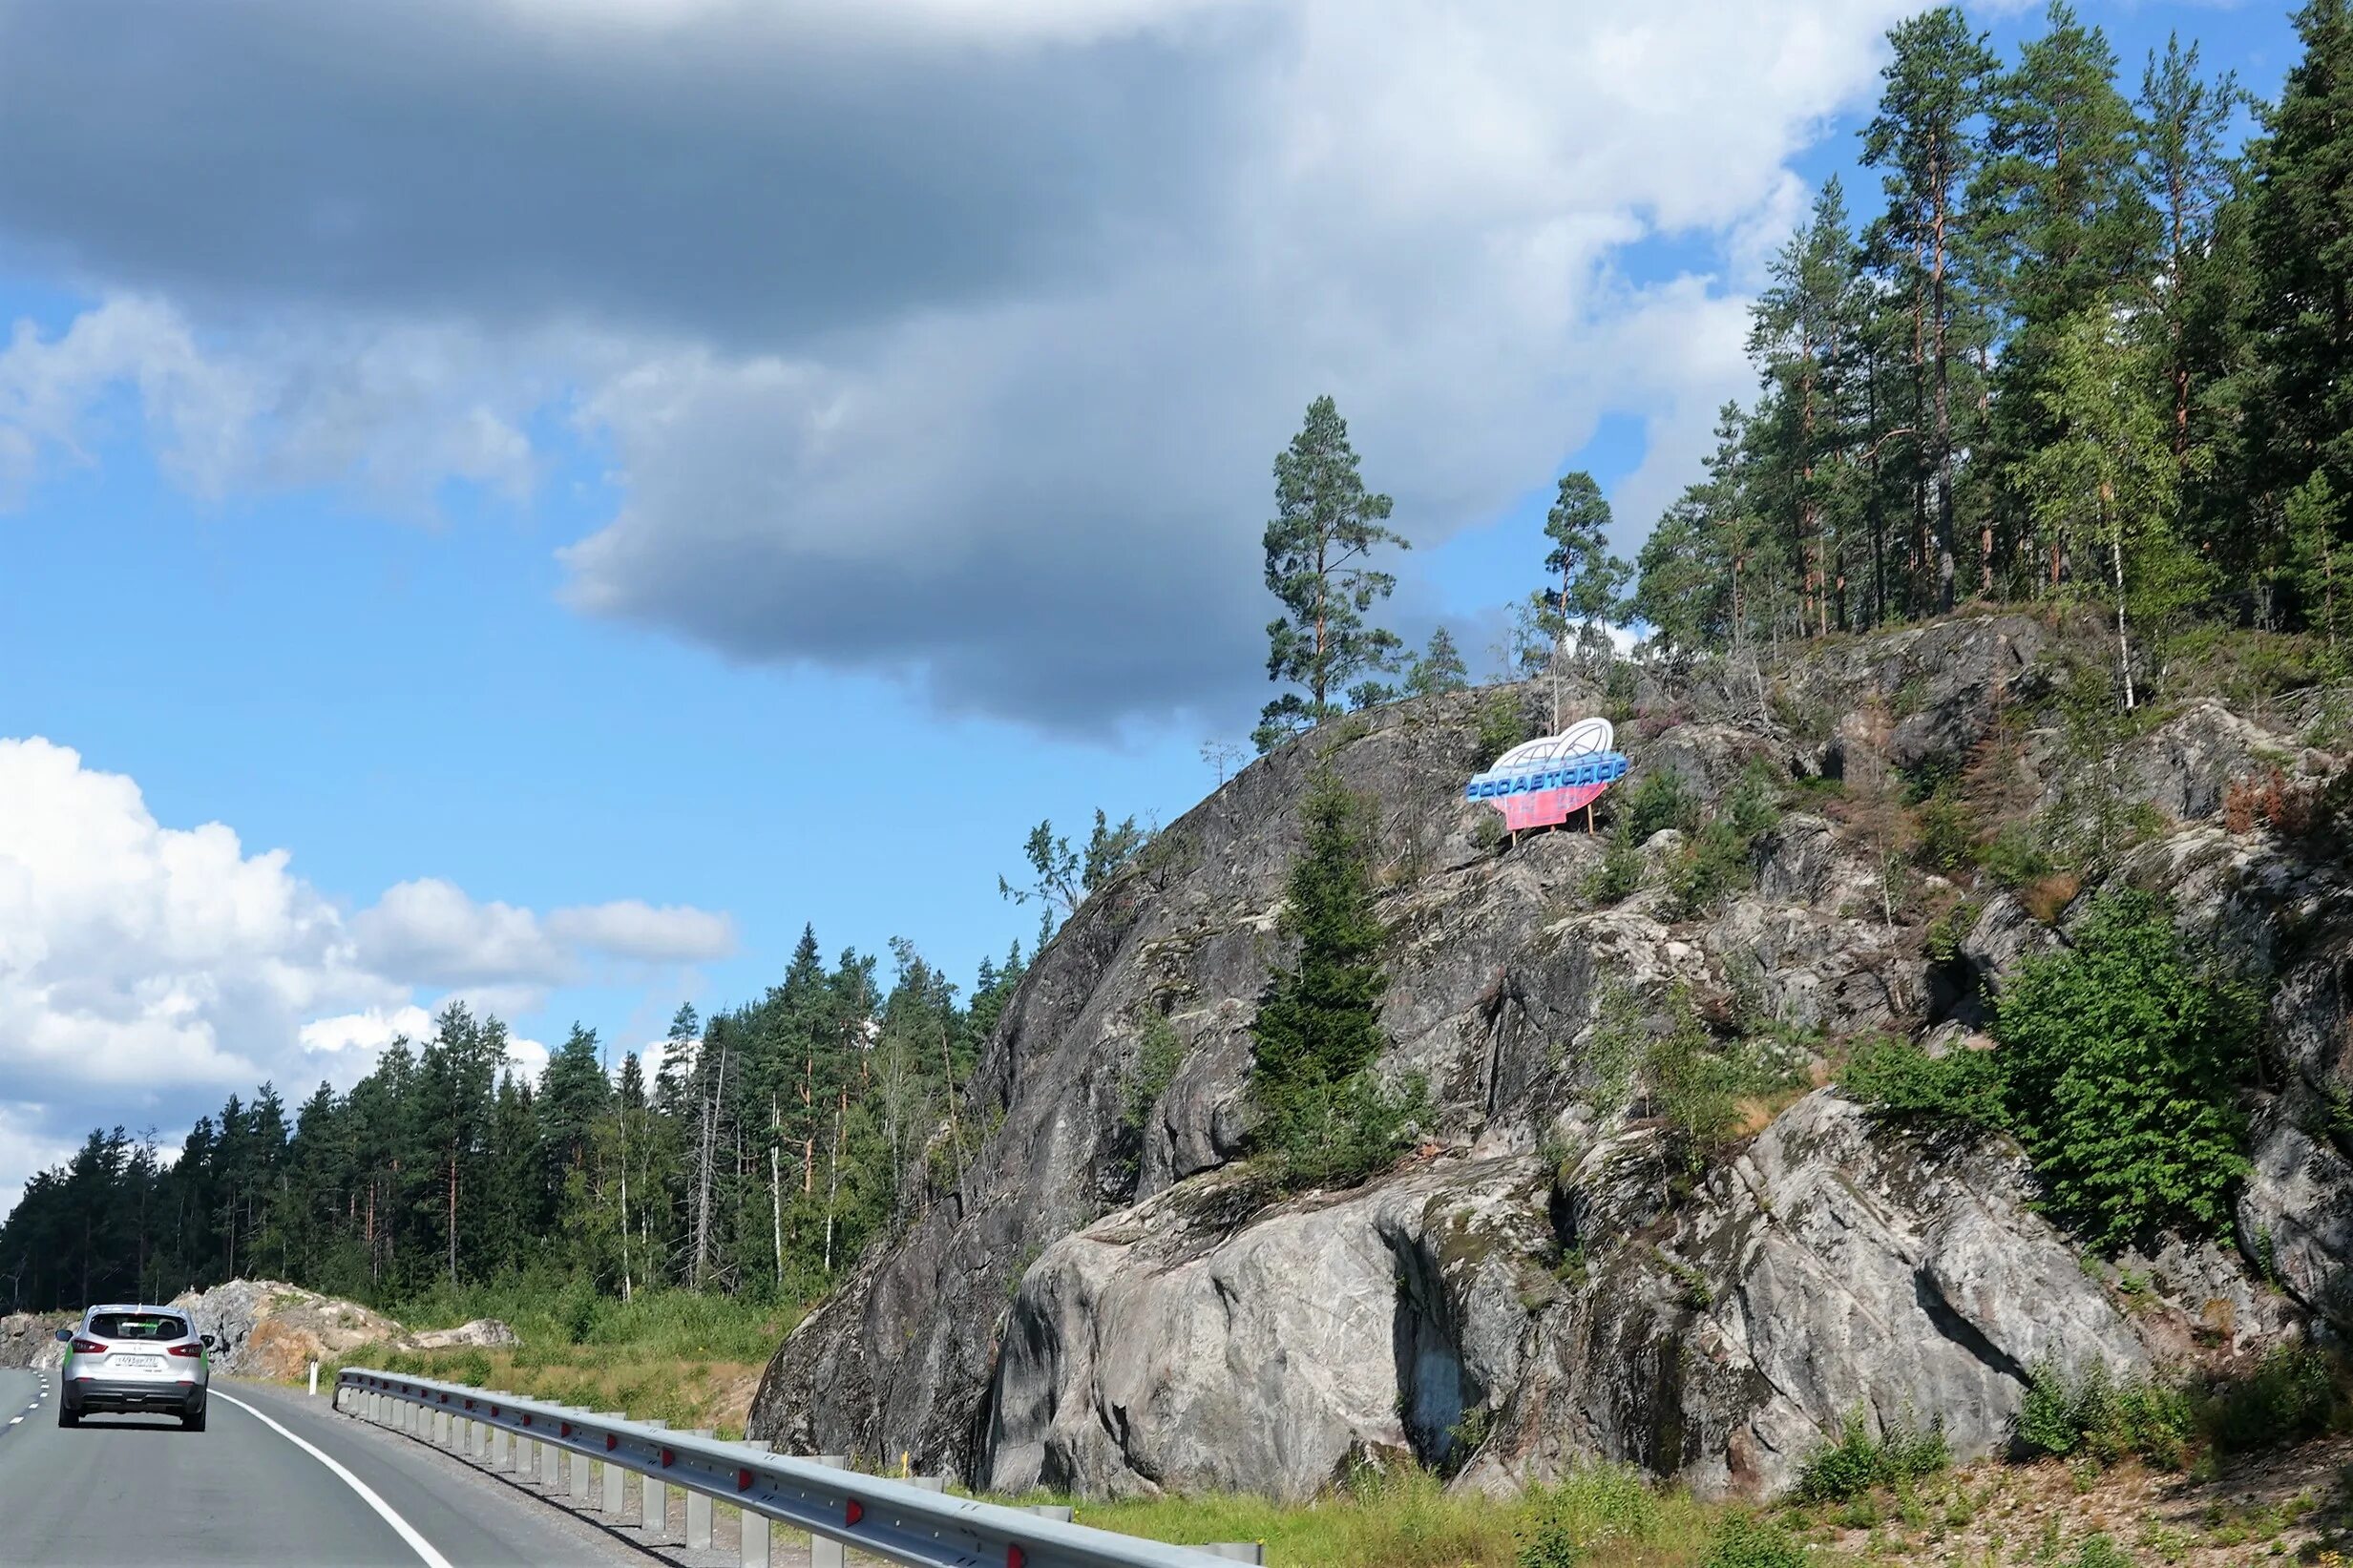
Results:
1113 1309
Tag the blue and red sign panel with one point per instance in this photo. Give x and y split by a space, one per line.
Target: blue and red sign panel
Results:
1543 783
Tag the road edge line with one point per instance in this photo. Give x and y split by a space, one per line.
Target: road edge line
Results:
417 1543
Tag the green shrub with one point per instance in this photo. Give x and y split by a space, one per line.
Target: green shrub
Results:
1657 801
2099 1552
2120 1061
1845 1469
1619 875
1946 839
1754 805
1745 1542
1948 931
2094 1415
1691 1085
1590 1506
1502 725
1897 1079
1160 1052
1714 864
2290 1396
2016 856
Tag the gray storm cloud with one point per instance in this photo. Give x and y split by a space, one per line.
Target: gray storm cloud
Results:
945 341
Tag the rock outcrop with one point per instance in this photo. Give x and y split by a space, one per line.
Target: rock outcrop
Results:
30 1339
272 1329
1116 1309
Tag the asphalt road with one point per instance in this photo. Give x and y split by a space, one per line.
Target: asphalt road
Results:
131 1489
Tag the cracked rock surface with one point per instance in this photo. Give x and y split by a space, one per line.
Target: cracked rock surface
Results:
1113 1309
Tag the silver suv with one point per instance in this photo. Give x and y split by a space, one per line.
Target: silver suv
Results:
145 1360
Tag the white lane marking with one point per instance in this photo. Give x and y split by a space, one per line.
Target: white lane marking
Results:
417 1543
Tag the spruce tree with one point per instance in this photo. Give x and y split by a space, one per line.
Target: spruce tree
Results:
1319 555
2300 236
1439 668
1321 1112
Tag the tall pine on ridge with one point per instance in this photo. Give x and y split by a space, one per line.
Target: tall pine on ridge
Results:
1319 553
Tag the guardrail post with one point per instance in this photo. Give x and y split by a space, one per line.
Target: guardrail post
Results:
582 1489
615 1478
551 1464
1236 1551
824 1553
500 1456
699 1509
1059 1513
653 1517
754 1545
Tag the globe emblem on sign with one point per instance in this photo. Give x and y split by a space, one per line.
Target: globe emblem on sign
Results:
1541 782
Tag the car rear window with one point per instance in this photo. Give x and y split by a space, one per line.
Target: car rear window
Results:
138 1326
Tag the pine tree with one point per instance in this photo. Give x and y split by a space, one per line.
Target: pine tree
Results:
1926 135
1588 582
1319 553
1799 337
2185 179
2060 219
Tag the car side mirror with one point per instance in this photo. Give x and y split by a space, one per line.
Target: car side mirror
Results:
65 1336
209 1341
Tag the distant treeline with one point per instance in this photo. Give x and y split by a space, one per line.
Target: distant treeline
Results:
773 1143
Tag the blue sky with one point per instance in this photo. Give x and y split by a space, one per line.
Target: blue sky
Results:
400 528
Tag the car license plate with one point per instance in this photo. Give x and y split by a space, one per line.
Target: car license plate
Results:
137 1363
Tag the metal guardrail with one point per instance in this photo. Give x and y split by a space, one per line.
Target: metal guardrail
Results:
897 1521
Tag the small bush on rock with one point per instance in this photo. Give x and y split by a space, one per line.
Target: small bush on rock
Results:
2120 1061
2290 1396
1658 801
1501 724
1843 1470
2093 1414
1619 875
1899 1080
2099 1552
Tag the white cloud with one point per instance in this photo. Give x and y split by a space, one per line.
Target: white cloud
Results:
631 929
146 971
430 931
392 412
358 1037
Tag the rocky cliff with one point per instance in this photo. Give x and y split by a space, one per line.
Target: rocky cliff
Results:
1106 1308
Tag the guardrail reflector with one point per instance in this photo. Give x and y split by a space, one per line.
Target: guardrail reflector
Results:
854 1511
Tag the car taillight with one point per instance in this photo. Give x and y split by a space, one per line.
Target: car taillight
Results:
191 1351
88 1348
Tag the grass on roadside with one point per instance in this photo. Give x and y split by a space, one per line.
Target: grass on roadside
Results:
1601 1517
667 1355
